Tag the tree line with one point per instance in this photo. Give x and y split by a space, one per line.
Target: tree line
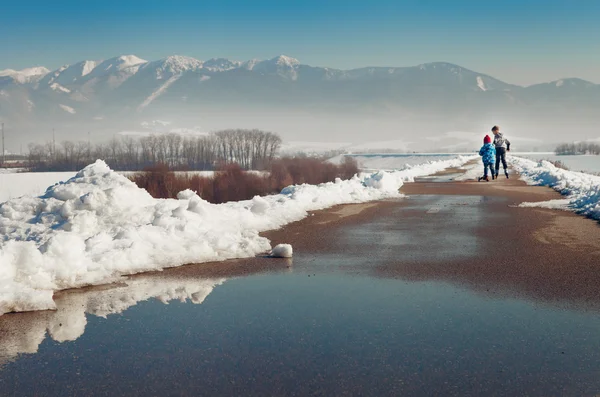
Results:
251 149
577 148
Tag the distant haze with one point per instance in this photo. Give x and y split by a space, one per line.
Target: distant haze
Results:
428 107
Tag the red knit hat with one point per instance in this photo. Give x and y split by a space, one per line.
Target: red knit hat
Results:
487 139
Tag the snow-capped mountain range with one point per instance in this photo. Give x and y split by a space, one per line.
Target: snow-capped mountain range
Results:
108 93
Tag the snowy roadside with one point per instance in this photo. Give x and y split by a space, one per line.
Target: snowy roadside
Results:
99 225
472 172
582 190
15 184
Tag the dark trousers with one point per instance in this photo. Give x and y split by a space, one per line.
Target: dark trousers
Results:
500 156
485 169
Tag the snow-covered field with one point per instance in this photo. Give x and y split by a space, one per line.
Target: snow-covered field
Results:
98 226
397 161
13 184
575 163
581 190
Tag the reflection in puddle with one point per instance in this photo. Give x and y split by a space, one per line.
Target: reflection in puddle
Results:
24 332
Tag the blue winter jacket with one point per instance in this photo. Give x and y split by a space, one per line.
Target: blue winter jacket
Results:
488 153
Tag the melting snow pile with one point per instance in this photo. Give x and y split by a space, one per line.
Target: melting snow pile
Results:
282 251
98 226
582 190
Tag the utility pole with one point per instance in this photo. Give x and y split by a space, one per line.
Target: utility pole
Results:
3 152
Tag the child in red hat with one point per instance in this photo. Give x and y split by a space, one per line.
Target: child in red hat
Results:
488 156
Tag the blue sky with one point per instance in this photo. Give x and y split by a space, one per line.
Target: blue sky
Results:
520 42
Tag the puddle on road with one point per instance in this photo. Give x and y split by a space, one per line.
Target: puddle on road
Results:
334 334
320 326
439 178
427 228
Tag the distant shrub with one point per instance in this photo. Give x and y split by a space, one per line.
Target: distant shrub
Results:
578 148
297 170
558 164
231 183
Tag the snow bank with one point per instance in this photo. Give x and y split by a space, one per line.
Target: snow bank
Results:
282 251
582 190
582 162
99 225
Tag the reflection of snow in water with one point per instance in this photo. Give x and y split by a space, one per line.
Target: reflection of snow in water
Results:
24 332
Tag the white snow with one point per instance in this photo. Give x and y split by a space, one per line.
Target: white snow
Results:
158 92
99 226
172 66
481 84
124 64
220 64
282 251
283 60
58 87
560 83
67 109
558 204
87 67
582 190
249 65
26 75
282 65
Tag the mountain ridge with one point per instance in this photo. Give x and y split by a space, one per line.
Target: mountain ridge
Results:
283 94
280 60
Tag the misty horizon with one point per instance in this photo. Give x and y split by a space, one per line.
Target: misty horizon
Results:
505 64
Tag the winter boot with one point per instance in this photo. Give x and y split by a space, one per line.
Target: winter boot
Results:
506 173
493 176
486 179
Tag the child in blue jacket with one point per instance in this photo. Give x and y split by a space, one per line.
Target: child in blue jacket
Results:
488 156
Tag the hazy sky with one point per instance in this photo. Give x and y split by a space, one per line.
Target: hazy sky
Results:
521 42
